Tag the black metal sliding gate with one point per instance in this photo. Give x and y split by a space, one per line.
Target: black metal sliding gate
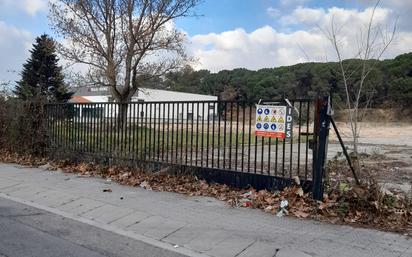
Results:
212 138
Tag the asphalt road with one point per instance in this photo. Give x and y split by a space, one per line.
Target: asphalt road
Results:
29 232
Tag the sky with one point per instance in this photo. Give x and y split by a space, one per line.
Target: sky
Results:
229 34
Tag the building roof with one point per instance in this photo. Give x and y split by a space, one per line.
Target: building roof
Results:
105 91
79 100
91 91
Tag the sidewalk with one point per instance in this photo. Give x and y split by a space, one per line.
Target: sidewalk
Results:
195 226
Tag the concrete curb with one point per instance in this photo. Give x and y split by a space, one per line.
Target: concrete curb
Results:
141 238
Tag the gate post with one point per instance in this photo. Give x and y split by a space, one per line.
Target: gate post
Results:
321 138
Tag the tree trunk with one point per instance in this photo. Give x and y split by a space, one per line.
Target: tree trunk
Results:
122 116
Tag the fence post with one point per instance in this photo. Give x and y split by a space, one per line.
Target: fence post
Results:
322 133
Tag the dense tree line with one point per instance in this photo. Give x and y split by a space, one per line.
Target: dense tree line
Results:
389 84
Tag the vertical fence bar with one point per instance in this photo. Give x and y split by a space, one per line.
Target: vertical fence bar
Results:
177 132
132 140
52 120
191 134
121 129
78 128
168 132
77 125
150 114
128 131
218 134
59 128
181 134
102 137
112 137
207 135
276 156
108 128
243 136
224 136
213 134
173 132
187 132
197 131
66 126
63 127
256 139
237 135
89 128
203 134
145 131
56 125
137 129
269 150
93 128
118 144
262 155
69 117
249 138
159 131
154 130
142 127
86 128
283 156
230 135
96 129
163 131
291 146
307 140
83 128
159 110
299 130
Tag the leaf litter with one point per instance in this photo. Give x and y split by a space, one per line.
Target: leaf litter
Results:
343 202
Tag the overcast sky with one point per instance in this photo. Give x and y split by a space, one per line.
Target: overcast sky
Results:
251 34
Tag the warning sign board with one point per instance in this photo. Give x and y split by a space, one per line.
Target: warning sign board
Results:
273 121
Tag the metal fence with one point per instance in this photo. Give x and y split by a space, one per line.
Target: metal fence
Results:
217 135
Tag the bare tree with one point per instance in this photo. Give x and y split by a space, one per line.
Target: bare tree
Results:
372 43
124 42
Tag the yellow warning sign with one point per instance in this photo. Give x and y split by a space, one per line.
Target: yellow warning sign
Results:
259 118
267 119
281 120
273 119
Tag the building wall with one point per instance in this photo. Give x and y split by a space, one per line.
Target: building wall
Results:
157 110
185 111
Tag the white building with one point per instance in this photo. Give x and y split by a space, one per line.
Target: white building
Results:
147 102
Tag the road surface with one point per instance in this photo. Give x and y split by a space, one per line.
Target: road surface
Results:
29 232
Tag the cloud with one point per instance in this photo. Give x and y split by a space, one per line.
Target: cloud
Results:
31 7
268 47
273 12
264 47
304 15
288 3
14 45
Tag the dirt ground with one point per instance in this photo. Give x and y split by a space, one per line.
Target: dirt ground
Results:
387 152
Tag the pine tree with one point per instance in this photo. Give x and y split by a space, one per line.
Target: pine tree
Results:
41 77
